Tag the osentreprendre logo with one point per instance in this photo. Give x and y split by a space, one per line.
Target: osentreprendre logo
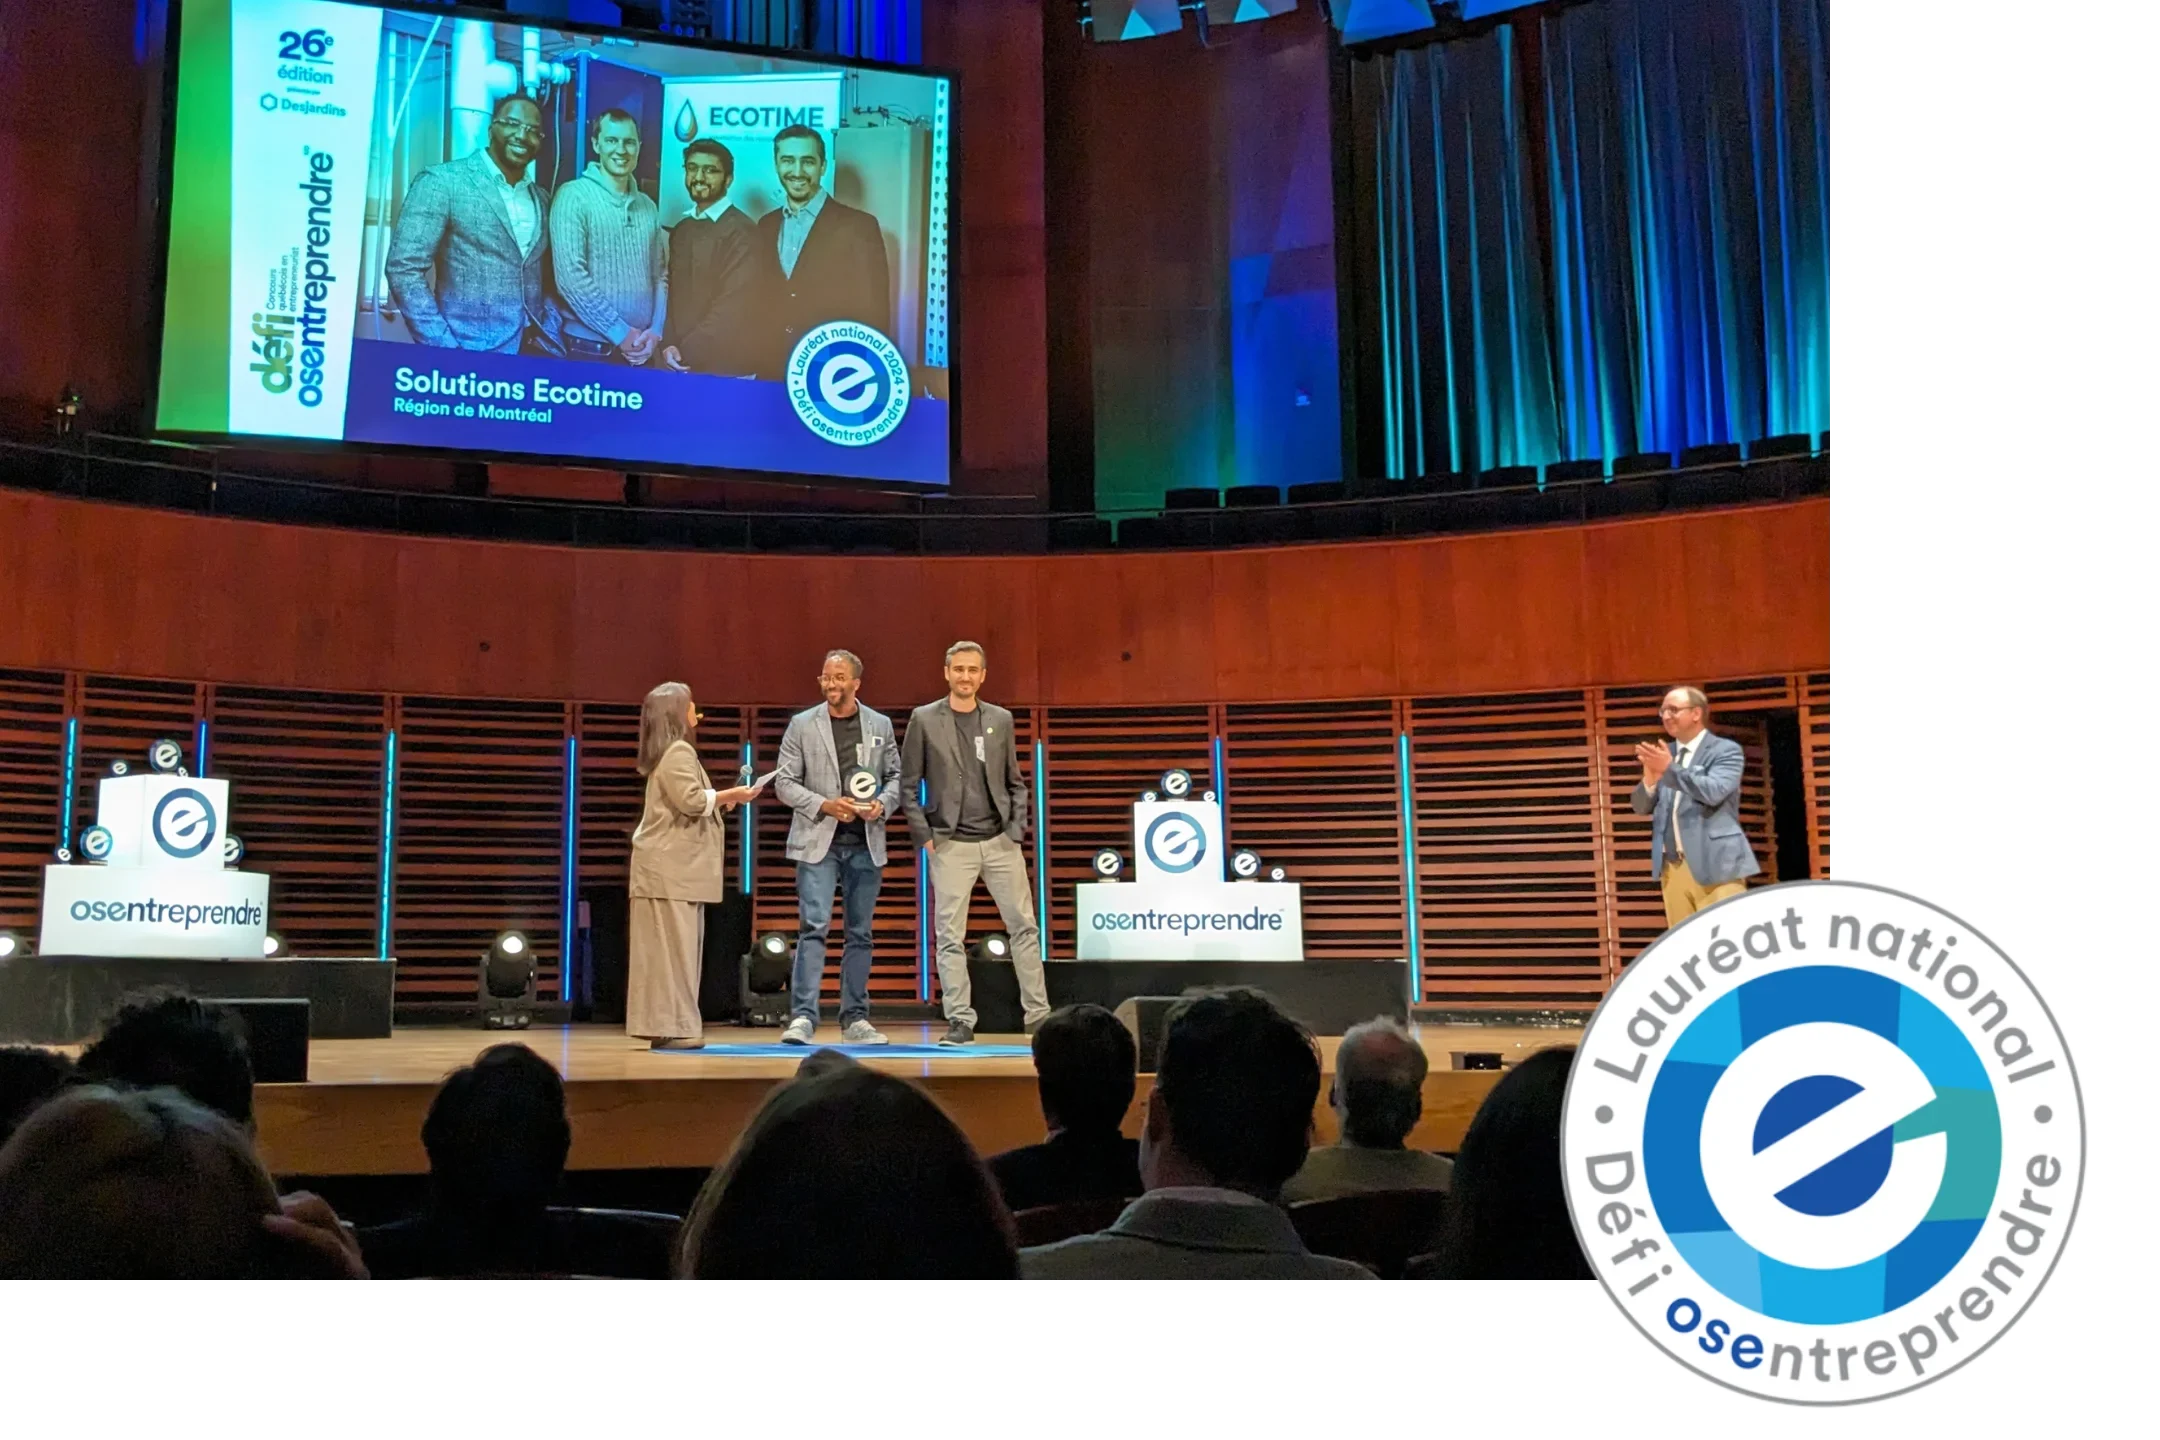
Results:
160 912
281 340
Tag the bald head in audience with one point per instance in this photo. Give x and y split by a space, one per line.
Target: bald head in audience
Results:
1379 1084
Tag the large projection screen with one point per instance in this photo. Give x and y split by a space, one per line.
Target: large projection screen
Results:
429 229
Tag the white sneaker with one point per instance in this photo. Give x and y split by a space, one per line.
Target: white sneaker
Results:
799 1031
862 1032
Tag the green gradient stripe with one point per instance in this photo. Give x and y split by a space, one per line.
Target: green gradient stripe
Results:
195 363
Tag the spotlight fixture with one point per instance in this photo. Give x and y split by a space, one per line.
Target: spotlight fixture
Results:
1109 864
506 983
66 409
12 944
165 756
1278 874
273 946
97 843
761 988
997 945
234 849
1245 864
1176 784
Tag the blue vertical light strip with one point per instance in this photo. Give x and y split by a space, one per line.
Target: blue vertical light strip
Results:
936 315
1220 775
567 981
389 844
749 823
67 787
1410 873
925 915
1042 850
202 747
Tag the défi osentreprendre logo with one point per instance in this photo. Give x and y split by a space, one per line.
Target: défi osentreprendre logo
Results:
1823 1143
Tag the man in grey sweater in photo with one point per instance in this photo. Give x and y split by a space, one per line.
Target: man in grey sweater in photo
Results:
610 252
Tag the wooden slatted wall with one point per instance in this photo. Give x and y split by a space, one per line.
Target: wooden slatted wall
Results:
1317 790
1815 755
1508 855
479 840
33 739
1533 872
1099 763
306 773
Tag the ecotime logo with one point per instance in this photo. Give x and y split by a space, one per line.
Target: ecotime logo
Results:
183 823
1175 842
1823 1143
848 383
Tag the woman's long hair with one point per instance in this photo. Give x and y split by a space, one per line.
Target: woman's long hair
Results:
664 720
1508 1215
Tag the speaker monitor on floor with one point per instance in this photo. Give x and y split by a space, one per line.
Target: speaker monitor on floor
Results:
1144 1016
277 1038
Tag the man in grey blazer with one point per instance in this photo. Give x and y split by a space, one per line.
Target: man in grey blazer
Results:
1691 791
470 249
837 839
972 825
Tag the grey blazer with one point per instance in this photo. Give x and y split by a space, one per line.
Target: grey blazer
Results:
810 775
456 269
1706 799
932 752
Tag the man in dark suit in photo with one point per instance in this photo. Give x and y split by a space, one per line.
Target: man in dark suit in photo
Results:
712 288
831 256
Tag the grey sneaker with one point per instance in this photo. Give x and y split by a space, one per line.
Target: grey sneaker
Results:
799 1031
957 1034
861 1032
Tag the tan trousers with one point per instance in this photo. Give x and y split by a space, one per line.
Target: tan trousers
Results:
1684 896
667 949
955 866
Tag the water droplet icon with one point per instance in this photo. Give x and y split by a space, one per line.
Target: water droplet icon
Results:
686 123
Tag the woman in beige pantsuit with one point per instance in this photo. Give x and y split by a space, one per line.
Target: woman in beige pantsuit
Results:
677 857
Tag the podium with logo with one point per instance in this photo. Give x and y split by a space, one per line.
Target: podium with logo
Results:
1194 913
151 894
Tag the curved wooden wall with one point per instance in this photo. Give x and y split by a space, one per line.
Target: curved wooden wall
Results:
95 587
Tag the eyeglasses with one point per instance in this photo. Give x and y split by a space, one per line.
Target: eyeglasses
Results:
1676 709
519 127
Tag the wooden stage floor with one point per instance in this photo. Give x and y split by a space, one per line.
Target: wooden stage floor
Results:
634 1109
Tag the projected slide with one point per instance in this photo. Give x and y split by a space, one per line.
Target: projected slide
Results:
413 228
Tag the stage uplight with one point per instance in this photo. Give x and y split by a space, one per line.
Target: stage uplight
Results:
761 992
997 945
12 945
506 983
273 946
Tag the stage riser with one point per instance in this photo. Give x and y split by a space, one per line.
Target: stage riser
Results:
63 999
1330 996
666 1124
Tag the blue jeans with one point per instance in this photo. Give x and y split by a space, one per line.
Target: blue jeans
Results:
858 877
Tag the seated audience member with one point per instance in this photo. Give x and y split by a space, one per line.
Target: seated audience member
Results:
818 1061
163 1037
1085 1064
104 1183
849 1174
1227 1124
1378 1096
497 1135
29 1077
1508 1216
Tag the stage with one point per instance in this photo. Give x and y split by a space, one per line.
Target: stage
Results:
633 1108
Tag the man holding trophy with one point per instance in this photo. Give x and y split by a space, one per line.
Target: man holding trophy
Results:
840 773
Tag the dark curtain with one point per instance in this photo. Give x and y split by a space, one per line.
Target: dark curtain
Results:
1593 232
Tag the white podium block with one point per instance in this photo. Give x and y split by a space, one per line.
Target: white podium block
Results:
164 821
1203 921
171 912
